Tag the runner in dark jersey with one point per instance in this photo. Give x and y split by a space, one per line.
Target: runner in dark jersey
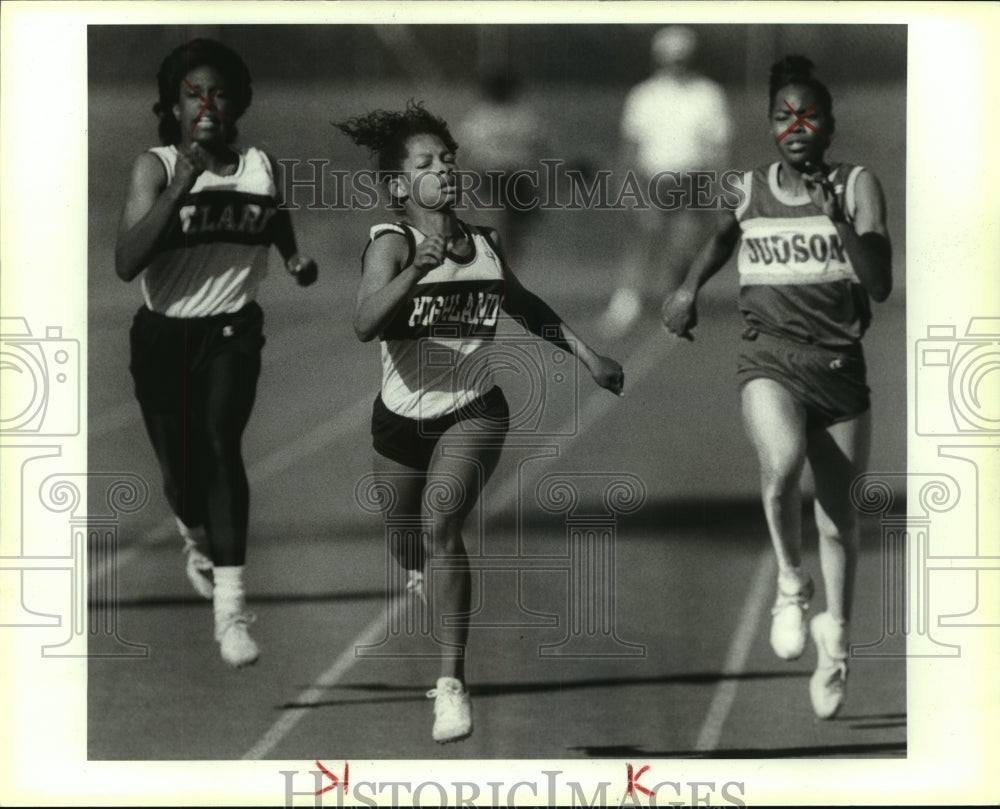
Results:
813 250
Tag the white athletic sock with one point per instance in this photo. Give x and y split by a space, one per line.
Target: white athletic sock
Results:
791 579
196 536
450 684
228 597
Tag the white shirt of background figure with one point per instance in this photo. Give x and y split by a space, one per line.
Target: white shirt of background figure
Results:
676 120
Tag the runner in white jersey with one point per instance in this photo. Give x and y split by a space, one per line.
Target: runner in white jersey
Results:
214 261
814 248
431 290
199 218
454 308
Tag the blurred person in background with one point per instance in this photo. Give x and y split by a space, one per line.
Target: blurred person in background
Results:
199 218
675 121
502 134
813 251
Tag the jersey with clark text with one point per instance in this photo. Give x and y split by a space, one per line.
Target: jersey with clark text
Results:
213 261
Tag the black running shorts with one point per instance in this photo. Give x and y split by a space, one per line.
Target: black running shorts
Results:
411 442
171 357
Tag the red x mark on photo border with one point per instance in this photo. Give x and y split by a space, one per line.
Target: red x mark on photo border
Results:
799 119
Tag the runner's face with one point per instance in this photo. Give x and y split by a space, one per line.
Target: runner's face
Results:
203 107
800 125
429 172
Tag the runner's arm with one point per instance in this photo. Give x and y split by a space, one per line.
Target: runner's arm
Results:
150 210
386 284
540 319
867 243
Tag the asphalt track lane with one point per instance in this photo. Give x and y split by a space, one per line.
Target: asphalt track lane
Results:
316 578
379 710
316 574
182 703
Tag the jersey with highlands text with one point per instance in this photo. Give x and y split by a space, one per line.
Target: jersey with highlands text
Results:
433 358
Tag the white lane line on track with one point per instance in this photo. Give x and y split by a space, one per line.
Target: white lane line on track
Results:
761 589
267 467
307 700
639 364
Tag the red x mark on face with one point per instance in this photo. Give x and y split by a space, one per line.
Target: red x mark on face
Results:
799 119
207 104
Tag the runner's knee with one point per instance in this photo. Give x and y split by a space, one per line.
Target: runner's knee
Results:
778 477
838 525
446 535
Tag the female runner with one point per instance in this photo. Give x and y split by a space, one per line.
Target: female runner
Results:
814 248
432 287
199 217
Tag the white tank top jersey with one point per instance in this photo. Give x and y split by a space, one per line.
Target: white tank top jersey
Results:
215 260
796 279
433 358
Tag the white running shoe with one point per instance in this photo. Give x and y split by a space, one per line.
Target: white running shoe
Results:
415 584
237 647
452 711
828 685
199 569
788 624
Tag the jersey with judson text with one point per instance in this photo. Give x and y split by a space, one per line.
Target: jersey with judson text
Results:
434 349
214 260
796 279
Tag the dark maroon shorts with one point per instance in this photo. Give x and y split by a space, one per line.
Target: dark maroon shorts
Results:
830 382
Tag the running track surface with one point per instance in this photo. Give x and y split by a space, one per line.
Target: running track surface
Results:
693 581
693 577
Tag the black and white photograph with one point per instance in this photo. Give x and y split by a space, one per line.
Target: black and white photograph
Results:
499 404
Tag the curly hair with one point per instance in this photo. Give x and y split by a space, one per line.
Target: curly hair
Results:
181 61
385 134
798 70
